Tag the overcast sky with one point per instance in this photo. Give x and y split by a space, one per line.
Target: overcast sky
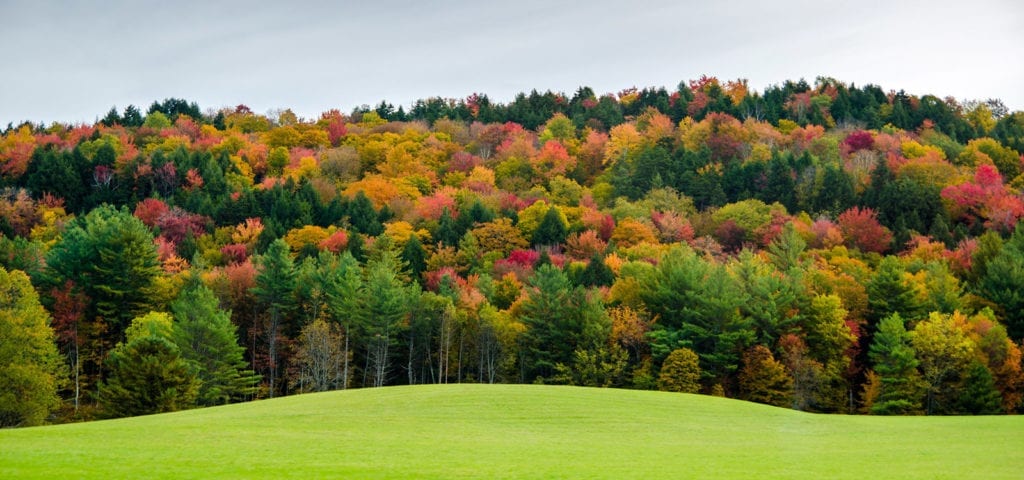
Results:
72 61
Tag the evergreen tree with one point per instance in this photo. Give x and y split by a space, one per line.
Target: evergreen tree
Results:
940 231
447 232
385 302
109 258
208 341
559 320
477 214
147 375
900 391
698 305
363 216
275 286
355 247
597 274
343 282
132 117
1003 284
111 118
979 395
889 292
58 173
414 256
552 229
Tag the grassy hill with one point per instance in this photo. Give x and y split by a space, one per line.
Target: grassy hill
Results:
515 431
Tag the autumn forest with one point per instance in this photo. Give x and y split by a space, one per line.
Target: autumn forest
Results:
825 247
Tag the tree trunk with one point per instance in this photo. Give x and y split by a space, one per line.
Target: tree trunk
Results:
344 374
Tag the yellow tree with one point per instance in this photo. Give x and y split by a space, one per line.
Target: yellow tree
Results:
29 362
945 352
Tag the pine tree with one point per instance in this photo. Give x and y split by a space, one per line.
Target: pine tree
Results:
414 256
1003 283
363 216
447 232
385 301
979 395
275 285
559 320
889 292
208 341
343 283
147 375
893 357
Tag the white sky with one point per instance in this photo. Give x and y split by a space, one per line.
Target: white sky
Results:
69 62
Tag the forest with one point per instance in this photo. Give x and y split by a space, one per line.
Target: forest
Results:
823 247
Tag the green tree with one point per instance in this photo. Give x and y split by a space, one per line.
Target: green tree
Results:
275 287
825 329
363 216
277 159
343 282
698 307
447 232
889 292
559 320
979 395
771 297
414 256
680 372
208 341
600 366
111 254
1003 284
30 367
552 229
597 274
384 304
147 375
786 250
157 121
894 361
110 258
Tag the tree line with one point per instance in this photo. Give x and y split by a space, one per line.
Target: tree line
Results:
828 248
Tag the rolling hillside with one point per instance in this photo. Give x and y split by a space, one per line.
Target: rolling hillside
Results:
505 431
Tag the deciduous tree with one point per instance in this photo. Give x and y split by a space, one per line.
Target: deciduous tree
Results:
30 367
680 372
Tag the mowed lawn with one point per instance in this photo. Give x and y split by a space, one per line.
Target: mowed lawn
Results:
515 431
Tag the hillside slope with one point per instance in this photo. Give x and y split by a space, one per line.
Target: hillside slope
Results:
506 431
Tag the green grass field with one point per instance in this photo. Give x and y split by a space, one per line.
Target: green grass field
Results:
515 431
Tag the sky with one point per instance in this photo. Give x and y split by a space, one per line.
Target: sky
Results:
71 62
